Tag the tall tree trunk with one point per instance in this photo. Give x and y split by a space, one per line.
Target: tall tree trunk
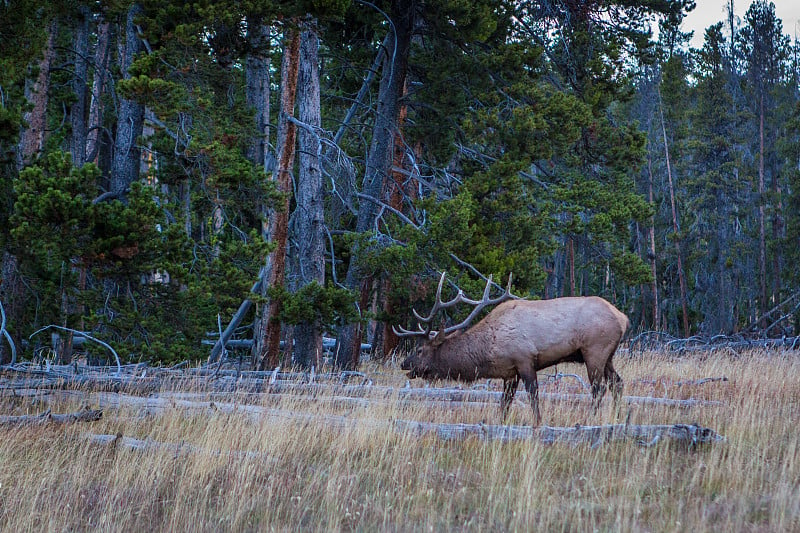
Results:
309 217
32 136
762 234
257 88
279 219
257 97
652 253
379 160
309 214
95 126
31 144
777 228
130 119
675 226
732 28
571 264
257 93
77 113
402 186
77 145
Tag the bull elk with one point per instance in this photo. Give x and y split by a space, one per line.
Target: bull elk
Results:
517 338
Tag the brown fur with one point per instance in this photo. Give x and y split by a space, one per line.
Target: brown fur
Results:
520 337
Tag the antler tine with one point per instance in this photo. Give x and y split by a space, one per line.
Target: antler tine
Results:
459 298
400 331
484 301
485 296
436 305
420 318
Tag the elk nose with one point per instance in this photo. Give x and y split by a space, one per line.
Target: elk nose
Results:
405 365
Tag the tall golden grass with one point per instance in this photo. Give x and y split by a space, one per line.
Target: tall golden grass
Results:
306 474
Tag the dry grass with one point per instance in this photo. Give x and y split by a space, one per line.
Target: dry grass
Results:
308 475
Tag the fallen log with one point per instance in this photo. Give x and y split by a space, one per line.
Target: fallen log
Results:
50 418
153 385
152 381
158 383
666 382
645 435
175 448
457 395
242 393
86 383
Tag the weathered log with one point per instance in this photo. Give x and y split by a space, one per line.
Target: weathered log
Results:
683 382
87 383
152 385
645 435
176 448
50 418
81 376
457 395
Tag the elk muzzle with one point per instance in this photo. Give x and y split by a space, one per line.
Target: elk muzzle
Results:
410 367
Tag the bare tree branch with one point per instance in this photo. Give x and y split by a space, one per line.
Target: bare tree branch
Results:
98 341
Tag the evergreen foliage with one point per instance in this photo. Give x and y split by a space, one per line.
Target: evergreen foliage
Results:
529 140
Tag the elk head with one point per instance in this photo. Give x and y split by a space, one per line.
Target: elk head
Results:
423 362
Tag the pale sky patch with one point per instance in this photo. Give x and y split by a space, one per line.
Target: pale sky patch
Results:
710 12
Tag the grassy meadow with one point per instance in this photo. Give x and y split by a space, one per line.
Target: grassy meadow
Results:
242 471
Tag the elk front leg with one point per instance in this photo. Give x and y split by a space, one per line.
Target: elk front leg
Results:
614 382
509 389
532 386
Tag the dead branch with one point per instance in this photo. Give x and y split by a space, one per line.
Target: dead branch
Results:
6 335
735 344
84 334
758 320
645 435
48 417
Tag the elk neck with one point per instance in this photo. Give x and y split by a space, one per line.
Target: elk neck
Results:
464 355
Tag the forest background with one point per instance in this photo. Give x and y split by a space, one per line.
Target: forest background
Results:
284 170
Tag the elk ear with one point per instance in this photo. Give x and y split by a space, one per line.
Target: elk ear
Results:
439 338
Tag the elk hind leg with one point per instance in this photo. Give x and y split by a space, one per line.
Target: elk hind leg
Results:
509 389
598 383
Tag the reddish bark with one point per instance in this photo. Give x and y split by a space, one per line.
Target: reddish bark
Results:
279 223
33 135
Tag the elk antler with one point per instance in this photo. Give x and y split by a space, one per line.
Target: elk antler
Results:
459 298
402 332
484 301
